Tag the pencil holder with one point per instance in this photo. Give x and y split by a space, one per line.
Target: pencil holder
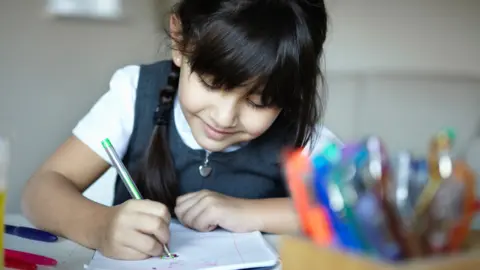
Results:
298 253
359 208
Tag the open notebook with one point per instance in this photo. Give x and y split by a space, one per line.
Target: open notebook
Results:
219 250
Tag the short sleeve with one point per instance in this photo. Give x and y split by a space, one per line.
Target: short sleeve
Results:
112 116
322 137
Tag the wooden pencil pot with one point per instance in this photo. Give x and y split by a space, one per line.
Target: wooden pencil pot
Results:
297 253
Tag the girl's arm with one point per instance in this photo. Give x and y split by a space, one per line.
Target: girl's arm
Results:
53 200
279 215
276 215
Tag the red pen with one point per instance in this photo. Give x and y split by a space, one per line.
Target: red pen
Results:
29 258
19 265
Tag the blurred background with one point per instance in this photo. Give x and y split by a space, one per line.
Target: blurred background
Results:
401 69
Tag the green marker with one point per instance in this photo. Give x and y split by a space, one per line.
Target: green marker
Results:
125 176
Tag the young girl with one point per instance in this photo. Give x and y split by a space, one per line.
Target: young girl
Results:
201 134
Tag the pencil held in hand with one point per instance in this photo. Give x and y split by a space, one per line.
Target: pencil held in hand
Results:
125 176
135 230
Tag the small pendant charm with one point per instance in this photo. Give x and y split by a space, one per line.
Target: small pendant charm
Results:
205 168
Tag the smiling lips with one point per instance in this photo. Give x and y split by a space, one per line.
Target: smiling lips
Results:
216 134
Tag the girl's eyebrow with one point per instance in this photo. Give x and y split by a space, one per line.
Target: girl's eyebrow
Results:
257 88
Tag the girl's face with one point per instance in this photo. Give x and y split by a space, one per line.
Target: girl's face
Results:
219 119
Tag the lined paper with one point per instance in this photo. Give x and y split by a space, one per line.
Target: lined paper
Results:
216 250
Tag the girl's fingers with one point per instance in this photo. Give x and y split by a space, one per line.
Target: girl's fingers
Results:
143 243
151 225
182 208
186 197
127 253
193 212
205 221
150 207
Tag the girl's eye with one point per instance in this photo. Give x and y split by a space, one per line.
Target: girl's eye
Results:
255 105
255 101
207 84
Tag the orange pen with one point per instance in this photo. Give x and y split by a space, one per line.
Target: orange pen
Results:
463 173
313 217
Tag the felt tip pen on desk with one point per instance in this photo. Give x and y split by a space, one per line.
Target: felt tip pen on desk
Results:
125 176
19 265
30 233
29 258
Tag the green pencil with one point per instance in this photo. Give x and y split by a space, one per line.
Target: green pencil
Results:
125 176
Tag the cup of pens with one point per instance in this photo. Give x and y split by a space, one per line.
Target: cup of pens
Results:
359 199
4 163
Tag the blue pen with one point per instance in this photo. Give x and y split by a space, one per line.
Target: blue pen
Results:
30 233
321 167
325 193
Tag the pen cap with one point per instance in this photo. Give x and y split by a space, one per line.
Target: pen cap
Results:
402 170
402 166
330 156
356 154
350 150
374 162
332 153
378 157
439 154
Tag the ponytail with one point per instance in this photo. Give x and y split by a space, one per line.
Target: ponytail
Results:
157 179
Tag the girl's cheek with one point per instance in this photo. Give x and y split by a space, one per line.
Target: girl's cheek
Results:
260 128
263 121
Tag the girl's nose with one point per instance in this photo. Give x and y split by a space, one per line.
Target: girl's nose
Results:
225 114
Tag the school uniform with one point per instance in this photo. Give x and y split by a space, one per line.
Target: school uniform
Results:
125 114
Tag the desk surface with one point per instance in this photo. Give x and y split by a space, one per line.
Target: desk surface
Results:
70 256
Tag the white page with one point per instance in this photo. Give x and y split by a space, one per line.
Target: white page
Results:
219 250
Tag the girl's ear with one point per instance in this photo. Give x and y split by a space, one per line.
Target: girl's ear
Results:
176 34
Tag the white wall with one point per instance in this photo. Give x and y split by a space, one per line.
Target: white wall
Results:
401 69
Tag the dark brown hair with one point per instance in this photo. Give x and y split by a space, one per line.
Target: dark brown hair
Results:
278 43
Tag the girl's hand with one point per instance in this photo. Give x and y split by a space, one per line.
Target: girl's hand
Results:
135 230
206 210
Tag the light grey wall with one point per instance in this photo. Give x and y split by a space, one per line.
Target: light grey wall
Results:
401 69
404 35
52 71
